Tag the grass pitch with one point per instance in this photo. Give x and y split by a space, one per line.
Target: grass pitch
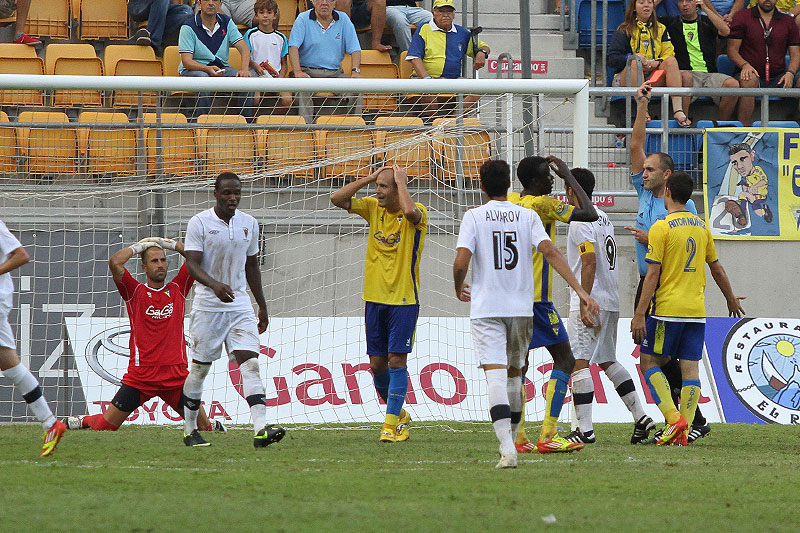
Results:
739 478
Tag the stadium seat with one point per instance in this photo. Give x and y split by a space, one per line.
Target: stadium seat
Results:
17 59
415 158
705 124
405 66
477 148
47 151
131 60
778 124
377 67
226 149
74 60
108 151
616 15
347 144
288 10
178 146
725 65
684 149
171 61
49 18
235 58
8 147
374 57
283 148
104 19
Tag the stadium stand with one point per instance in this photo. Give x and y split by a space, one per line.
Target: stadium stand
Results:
684 149
285 148
405 66
376 65
178 146
75 60
103 19
345 145
131 60
226 149
47 151
288 9
8 147
477 149
616 15
20 59
414 158
49 18
108 151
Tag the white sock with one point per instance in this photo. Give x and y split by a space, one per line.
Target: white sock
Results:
29 387
514 390
583 396
623 383
193 392
253 390
500 410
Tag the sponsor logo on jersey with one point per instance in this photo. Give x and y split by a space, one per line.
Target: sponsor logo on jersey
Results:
393 239
213 231
762 364
159 314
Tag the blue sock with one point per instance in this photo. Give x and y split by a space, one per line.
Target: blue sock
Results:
381 382
398 386
559 391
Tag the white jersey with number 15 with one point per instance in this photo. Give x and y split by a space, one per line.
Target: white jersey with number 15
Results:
501 237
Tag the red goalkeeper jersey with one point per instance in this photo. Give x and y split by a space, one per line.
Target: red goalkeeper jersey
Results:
158 350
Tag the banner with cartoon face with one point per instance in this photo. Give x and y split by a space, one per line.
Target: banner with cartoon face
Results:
756 363
752 183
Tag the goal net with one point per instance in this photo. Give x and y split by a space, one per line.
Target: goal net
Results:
79 183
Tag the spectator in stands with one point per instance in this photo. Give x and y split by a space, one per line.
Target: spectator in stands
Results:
723 8
7 8
642 35
666 8
790 7
695 37
204 44
760 38
268 47
241 11
438 47
320 37
400 14
164 17
367 14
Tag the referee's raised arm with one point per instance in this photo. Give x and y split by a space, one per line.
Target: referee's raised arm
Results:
638 154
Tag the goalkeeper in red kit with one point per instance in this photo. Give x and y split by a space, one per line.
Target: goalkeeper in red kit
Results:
158 364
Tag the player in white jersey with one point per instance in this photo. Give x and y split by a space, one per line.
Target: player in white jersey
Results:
221 250
592 256
13 256
501 237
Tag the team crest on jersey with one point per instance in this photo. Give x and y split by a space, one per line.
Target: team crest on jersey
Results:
169 294
762 363
555 322
245 233
562 209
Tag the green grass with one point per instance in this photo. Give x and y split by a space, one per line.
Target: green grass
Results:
739 478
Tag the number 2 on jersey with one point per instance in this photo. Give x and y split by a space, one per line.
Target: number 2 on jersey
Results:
691 249
505 251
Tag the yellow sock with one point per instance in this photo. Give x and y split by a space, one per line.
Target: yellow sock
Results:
659 388
521 436
391 422
690 396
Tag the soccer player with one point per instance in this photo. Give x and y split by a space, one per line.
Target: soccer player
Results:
548 330
13 256
221 251
648 176
501 237
397 229
673 295
592 255
157 364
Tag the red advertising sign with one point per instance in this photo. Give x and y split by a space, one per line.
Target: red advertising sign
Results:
537 66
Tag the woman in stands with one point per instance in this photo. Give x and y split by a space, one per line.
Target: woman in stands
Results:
642 35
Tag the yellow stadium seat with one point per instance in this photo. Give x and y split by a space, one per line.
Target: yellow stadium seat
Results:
74 60
49 18
349 144
47 150
380 103
107 150
8 147
288 10
477 147
132 60
104 19
235 58
375 57
286 148
414 158
226 149
178 146
405 66
21 65
171 60
17 50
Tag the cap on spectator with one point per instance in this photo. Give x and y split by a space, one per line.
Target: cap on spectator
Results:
443 3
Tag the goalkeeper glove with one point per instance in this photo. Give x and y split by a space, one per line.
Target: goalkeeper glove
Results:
142 245
167 244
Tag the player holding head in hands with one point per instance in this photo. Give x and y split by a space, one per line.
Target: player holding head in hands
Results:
221 253
397 229
13 256
501 236
157 364
592 255
673 294
548 330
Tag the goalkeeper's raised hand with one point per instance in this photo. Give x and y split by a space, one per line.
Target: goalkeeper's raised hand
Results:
163 242
143 245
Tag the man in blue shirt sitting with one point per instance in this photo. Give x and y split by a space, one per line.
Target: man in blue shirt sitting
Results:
320 37
204 44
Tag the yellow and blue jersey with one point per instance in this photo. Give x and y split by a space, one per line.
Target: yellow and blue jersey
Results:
681 244
549 210
756 176
441 51
394 250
